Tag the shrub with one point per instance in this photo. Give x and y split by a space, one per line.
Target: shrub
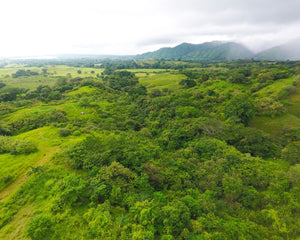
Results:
291 153
288 90
25 147
64 132
268 107
6 144
76 133
39 228
296 82
240 109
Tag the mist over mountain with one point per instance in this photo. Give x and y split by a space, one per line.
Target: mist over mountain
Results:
222 51
288 51
209 51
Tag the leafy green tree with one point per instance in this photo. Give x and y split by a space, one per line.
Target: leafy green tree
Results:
176 217
2 85
40 227
74 190
187 83
291 153
64 132
25 147
240 109
232 187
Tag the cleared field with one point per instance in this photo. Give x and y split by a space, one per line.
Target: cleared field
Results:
275 88
162 80
274 126
31 82
14 167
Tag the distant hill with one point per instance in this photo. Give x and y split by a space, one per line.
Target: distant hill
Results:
288 51
209 51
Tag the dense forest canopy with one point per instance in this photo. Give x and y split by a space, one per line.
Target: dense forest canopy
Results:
156 149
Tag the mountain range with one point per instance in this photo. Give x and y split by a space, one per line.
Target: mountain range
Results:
222 51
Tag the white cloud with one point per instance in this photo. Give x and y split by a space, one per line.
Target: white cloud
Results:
35 27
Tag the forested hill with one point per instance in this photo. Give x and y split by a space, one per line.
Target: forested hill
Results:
288 51
209 51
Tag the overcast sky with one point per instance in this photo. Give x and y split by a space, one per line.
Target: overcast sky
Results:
49 27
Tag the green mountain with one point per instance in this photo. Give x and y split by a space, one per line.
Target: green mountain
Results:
209 51
288 51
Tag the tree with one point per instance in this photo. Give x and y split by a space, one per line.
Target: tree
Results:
40 227
2 85
291 152
240 109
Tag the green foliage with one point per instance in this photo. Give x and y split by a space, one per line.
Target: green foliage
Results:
7 144
187 83
120 80
64 132
253 141
10 145
291 153
25 147
24 73
97 152
2 85
40 227
240 109
35 119
151 161
288 90
268 107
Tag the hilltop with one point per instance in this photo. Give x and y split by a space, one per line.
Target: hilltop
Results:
224 51
209 51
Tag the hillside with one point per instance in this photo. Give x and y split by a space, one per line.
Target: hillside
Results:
149 150
210 51
289 51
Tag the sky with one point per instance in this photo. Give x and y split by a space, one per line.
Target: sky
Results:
125 27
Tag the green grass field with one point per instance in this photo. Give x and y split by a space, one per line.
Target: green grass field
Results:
161 80
32 82
48 142
274 126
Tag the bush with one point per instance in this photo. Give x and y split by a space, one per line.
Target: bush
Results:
288 90
291 153
240 109
39 228
25 147
268 107
296 82
76 133
64 132
6 144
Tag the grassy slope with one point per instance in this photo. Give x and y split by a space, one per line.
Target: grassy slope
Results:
163 80
291 119
49 142
50 79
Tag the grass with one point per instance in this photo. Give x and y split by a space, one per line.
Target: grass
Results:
274 126
291 119
162 80
293 105
60 70
22 112
16 228
50 79
275 88
16 166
